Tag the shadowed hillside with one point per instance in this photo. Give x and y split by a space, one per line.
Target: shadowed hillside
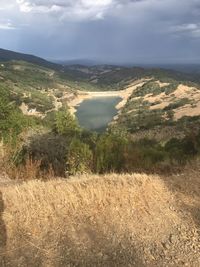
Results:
7 55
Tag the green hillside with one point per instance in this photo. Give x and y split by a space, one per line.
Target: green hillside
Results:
7 55
98 78
156 130
32 84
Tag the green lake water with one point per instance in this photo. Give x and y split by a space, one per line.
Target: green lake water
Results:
96 113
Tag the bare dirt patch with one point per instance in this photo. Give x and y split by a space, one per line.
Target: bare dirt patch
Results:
30 112
182 92
162 84
187 110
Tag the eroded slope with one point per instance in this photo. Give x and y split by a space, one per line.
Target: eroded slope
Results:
162 110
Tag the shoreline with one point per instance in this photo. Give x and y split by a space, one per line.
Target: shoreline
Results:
124 94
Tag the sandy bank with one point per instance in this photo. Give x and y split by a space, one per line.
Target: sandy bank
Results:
124 94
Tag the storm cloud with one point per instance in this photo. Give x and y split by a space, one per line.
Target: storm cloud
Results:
121 31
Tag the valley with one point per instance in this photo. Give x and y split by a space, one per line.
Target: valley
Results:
124 94
99 166
99 133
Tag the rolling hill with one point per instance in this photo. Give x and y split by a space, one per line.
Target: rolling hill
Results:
100 77
7 55
161 109
33 87
167 103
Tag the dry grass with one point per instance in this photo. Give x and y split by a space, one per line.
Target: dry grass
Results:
87 221
30 170
186 189
182 91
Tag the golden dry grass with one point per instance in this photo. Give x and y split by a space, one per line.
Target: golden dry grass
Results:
87 221
182 91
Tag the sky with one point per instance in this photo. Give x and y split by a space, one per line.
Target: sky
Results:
117 31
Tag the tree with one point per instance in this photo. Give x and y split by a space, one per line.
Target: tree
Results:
65 123
109 154
79 158
12 120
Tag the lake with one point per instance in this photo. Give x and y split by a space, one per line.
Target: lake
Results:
96 113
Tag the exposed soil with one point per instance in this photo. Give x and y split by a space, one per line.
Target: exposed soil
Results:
182 91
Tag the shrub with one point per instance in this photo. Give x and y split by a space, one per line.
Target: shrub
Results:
177 104
109 153
79 158
13 122
144 155
48 148
181 149
65 123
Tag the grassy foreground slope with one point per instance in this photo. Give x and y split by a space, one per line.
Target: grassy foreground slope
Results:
113 220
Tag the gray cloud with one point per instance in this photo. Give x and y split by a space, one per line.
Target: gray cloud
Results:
75 9
114 30
79 8
190 29
6 25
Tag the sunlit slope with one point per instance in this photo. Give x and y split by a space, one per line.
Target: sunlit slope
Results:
35 89
162 109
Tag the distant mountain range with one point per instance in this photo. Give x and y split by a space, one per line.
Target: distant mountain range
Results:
83 62
104 75
7 55
185 68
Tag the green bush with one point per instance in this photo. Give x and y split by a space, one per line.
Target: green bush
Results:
65 123
182 150
79 158
109 153
12 121
177 104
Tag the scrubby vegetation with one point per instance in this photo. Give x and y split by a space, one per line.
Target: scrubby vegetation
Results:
154 88
66 149
55 142
36 87
156 105
103 78
12 121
